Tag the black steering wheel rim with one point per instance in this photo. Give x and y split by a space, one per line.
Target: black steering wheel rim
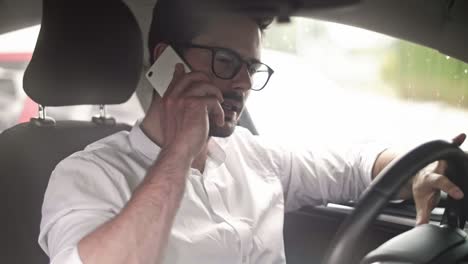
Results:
387 184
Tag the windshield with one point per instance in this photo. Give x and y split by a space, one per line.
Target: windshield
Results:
334 82
331 83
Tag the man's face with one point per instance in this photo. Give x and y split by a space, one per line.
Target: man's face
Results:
239 34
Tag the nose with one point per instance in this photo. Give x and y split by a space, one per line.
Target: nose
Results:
242 80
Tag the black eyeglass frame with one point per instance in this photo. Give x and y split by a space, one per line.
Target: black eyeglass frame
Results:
214 50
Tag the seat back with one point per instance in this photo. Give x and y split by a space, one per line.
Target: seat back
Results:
87 52
28 154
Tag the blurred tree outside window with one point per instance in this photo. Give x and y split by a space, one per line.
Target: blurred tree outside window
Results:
423 74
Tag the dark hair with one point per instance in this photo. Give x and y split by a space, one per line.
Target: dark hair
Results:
179 21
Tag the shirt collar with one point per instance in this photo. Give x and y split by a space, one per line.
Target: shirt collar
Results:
216 152
143 144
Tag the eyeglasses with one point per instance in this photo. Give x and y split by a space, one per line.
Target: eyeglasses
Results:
226 64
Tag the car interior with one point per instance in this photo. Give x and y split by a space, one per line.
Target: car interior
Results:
41 143
377 231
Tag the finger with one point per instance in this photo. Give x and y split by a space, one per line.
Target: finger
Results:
441 167
458 140
186 81
215 111
209 104
202 89
423 216
424 207
441 182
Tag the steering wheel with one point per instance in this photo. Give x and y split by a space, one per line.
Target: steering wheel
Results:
387 184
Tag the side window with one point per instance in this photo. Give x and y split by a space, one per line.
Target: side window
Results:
16 49
335 82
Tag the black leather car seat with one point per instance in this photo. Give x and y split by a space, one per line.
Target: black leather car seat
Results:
88 52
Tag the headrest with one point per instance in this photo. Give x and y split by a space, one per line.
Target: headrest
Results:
87 52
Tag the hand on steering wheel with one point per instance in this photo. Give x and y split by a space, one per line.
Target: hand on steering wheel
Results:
393 177
428 183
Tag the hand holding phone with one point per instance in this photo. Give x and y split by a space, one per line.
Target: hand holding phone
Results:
161 72
185 122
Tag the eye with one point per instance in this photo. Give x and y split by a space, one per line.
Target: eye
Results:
251 69
255 67
224 58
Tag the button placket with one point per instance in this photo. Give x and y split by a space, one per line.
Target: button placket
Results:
245 232
241 228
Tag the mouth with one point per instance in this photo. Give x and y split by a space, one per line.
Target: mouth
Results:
231 106
232 110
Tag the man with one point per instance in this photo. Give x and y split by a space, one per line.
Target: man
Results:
187 186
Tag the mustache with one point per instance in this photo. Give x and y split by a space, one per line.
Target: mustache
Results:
233 95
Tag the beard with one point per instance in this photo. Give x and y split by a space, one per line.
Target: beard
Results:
222 131
232 115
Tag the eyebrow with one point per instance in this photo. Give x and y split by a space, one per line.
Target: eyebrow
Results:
247 59
253 60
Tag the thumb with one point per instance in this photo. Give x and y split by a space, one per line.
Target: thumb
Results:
458 140
441 167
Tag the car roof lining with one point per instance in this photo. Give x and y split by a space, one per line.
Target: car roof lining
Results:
440 24
18 14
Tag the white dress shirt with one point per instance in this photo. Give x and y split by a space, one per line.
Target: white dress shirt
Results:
232 213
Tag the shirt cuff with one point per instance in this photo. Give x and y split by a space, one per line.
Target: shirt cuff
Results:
67 256
368 158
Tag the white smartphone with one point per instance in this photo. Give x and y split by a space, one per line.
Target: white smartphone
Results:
161 72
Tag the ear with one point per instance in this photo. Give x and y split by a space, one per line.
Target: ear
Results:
159 49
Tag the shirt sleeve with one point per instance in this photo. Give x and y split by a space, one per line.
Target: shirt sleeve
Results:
67 256
327 174
82 195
